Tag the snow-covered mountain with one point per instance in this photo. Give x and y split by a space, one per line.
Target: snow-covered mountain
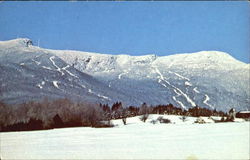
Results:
31 73
209 78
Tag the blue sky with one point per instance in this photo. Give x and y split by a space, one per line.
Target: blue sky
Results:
134 28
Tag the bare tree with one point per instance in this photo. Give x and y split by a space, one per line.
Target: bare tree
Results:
144 112
93 114
124 115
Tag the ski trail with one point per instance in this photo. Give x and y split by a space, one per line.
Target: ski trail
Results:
37 63
195 90
179 102
48 68
206 100
179 91
162 78
40 85
43 82
186 96
188 83
55 83
157 71
180 76
54 64
164 85
83 86
65 68
104 97
120 75
178 94
90 91
98 95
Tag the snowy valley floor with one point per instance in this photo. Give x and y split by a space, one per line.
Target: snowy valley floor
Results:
136 140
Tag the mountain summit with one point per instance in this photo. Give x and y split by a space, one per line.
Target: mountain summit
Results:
20 42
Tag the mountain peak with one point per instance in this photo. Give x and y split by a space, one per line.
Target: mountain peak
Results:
213 53
203 56
215 56
19 42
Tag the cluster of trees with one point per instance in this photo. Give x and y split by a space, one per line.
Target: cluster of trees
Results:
117 111
65 113
195 111
49 114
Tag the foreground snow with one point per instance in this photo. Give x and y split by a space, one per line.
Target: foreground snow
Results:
136 140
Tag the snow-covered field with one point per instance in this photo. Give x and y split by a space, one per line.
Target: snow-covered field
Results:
136 140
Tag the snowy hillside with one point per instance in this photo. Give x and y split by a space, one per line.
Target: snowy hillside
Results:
30 73
208 79
136 140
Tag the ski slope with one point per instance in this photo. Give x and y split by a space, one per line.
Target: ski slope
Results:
136 140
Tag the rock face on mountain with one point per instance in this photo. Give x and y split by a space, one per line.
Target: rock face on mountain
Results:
208 79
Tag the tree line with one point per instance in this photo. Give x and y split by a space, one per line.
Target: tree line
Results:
49 114
65 113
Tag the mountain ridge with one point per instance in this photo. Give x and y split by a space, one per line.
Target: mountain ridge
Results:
24 42
205 78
